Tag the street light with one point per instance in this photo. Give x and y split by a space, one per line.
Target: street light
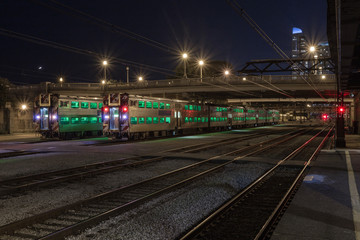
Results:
23 107
323 77
226 73
201 63
141 78
105 64
103 82
61 79
312 49
244 78
185 57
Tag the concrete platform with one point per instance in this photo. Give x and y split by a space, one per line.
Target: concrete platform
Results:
327 204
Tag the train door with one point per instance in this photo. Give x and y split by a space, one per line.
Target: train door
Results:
44 118
114 118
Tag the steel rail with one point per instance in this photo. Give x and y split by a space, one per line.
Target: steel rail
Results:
66 230
195 231
45 179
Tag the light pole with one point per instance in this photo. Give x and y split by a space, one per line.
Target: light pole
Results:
185 57
127 75
104 64
201 63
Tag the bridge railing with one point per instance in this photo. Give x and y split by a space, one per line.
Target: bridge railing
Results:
232 80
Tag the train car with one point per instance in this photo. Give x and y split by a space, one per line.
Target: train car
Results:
237 117
262 117
251 116
274 116
60 116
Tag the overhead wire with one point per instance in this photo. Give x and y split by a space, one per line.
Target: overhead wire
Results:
104 24
61 46
236 6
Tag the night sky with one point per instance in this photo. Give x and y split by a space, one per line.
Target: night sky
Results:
208 29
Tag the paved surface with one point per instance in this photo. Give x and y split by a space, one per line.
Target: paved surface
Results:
328 200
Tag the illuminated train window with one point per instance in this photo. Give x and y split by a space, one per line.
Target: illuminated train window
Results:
93 119
64 103
148 104
141 120
190 119
199 108
156 120
191 107
186 119
186 107
162 120
167 119
162 105
64 120
75 104
168 106
155 105
93 105
148 120
84 105
100 105
74 120
141 104
133 120
84 120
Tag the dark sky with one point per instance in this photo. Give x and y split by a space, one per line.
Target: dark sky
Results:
210 29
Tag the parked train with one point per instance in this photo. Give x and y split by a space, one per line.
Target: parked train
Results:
60 116
136 117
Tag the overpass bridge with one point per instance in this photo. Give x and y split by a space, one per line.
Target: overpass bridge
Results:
223 88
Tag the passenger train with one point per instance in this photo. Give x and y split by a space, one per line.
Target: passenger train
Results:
120 115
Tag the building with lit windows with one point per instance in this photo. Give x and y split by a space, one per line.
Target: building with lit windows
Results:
300 49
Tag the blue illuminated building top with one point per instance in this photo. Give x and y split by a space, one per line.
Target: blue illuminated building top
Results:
296 30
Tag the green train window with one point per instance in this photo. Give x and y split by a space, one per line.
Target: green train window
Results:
100 105
195 108
199 108
133 120
64 120
207 119
191 107
167 120
190 119
195 119
84 119
141 120
203 119
100 120
156 120
168 106
75 104
148 104
186 119
155 105
141 104
162 105
148 120
74 120
162 120
93 119
93 105
186 107
84 105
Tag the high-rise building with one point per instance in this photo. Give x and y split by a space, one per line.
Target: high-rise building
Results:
300 48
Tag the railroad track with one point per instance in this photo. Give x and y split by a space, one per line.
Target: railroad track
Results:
70 219
18 185
252 213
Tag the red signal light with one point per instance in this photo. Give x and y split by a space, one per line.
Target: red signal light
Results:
106 109
325 116
125 109
341 109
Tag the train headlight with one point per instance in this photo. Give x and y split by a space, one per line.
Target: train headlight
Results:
107 117
38 117
124 116
54 117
